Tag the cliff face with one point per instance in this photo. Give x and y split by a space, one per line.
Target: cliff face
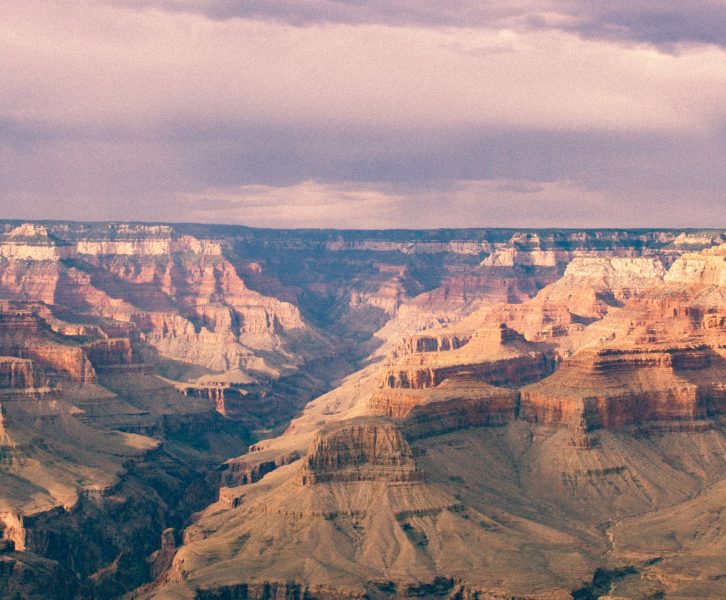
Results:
619 387
661 360
455 405
81 503
62 362
109 351
493 354
707 268
548 249
185 298
248 469
24 334
16 373
359 450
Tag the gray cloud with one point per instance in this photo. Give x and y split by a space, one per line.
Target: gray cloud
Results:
184 112
616 179
664 24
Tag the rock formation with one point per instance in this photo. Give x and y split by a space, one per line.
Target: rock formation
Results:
16 373
184 297
359 450
617 387
493 354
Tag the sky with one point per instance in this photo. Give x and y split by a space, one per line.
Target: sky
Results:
365 114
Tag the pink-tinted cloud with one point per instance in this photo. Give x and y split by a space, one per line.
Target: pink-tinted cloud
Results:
72 63
467 203
121 109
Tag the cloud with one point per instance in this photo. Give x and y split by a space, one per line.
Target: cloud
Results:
306 204
74 64
120 109
464 203
663 24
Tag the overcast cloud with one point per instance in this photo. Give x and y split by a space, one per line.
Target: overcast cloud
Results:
365 114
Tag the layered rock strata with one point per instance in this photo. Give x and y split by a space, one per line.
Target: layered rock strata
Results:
16 373
455 404
618 387
359 450
494 354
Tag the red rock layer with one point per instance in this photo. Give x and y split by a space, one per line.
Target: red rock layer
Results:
29 280
507 371
493 354
277 590
15 321
432 343
460 411
615 387
106 352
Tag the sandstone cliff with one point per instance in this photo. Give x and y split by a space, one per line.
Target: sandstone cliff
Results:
704 269
182 294
618 387
493 354
358 450
16 373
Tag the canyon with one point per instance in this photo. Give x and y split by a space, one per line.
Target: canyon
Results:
221 412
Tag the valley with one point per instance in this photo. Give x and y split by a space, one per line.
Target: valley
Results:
221 412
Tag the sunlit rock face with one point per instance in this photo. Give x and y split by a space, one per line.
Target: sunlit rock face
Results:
707 268
624 386
182 295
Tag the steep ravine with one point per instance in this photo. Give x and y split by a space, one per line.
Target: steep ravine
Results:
103 546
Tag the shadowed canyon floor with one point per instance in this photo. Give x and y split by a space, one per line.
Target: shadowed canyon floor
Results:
206 412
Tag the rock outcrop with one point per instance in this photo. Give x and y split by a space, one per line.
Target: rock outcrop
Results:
359 450
707 268
16 373
62 362
179 291
109 352
624 386
493 354
248 469
456 405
